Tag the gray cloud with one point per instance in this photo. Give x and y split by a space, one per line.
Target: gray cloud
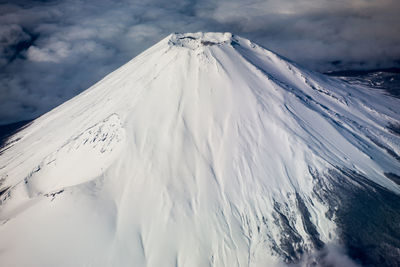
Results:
52 50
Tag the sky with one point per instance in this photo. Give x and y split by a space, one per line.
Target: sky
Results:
51 50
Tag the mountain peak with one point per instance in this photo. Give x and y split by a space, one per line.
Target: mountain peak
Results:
204 150
199 39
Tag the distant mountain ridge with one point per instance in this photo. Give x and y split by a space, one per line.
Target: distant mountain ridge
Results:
387 79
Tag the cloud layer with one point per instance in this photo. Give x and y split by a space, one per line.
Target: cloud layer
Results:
50 50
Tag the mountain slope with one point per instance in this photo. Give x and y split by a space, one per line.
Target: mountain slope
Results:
205 150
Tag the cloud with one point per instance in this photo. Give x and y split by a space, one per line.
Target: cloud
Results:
330 255
50 50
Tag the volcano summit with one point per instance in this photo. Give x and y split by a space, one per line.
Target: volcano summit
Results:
204 150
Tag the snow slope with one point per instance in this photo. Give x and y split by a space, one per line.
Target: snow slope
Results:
201 151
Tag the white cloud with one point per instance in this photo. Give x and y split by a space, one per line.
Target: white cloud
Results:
52 52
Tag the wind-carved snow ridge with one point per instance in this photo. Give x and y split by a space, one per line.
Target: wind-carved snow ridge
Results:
81 159
205 150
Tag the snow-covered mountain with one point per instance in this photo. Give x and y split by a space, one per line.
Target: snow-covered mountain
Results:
204 150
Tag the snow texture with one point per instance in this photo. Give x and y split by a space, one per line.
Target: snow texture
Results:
195 153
